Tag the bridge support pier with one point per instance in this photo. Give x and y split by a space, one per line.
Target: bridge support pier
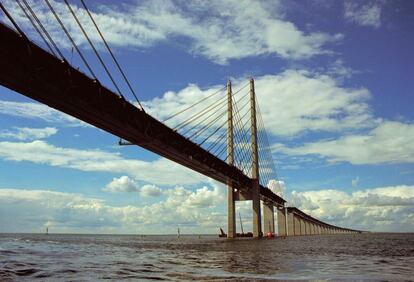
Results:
281 221
291 225
231 212
268 218
257 218
296 225
302 226
231 203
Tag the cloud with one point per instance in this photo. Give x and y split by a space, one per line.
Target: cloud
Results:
160 171
389 142
121 184
197 211
150 191
291 103
172 102
31 110
32 210
25 133
362 13
277 186
126 184
217 30
379 209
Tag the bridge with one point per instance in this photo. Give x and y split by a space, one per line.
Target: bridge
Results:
217 139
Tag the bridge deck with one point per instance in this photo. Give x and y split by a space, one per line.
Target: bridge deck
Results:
306 216
28 69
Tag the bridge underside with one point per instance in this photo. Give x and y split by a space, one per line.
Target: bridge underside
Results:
28 69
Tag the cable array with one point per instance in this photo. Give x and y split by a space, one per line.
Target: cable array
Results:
52 46
267 168
204 122
242 132
208 126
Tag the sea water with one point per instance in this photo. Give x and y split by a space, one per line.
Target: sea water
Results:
63 257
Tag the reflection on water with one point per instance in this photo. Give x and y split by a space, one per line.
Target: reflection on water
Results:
91 257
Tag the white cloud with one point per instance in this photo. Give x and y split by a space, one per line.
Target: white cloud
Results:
37 111
172 102
291 103
217 30
380 209
161 171
126 184
277 186
389 142
121 184
25 133
362 13
201 211
32 210
150 191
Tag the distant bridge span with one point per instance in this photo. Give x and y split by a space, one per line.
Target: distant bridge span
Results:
31 71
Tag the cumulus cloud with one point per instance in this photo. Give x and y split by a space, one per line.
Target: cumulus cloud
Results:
150 191
26 133
121 184
31 210
32 110
291 103
277 186
362 13
379 209
126 184
202 210
389 142
172 102
160 171
220 36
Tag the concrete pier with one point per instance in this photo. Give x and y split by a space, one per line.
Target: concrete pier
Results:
231 202
296 224
268 218
257 218
281 221
290 224
302 227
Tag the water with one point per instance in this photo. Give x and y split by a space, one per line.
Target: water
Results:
27 257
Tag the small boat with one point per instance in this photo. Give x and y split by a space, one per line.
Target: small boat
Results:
242 234
222 234
248 234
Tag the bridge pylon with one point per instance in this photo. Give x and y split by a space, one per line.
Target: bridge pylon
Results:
257 218
231 202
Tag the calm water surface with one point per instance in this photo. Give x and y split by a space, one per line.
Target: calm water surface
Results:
28 257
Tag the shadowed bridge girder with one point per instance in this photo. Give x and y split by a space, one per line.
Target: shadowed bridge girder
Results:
29 70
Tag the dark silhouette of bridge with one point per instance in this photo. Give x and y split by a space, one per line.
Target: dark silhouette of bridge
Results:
30 70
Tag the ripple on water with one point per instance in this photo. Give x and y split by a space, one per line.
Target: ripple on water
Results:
26 271
82 257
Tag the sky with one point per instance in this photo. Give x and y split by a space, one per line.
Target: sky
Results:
333 80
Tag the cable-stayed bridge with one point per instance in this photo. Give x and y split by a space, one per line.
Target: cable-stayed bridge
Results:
221 135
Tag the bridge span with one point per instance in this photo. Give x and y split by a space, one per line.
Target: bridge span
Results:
29 70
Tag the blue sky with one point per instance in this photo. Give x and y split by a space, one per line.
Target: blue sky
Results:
333 79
